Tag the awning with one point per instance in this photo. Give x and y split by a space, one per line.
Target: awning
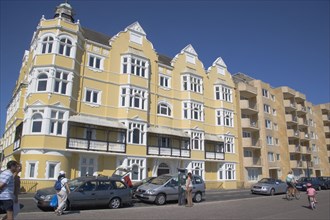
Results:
212 137
97 121
168 131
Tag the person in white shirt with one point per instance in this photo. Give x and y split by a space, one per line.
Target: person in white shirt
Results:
62 195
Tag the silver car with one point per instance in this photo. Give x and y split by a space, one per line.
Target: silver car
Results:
269 186
165 188
89 192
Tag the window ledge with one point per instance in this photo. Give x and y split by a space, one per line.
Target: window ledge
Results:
96 105
95 69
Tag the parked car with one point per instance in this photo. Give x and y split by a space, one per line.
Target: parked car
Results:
302 181
90 192
165 188
324 181
269 186
140 183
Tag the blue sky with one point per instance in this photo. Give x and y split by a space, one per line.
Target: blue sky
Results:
280 42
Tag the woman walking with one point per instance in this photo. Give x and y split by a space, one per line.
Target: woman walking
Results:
189 187
62 195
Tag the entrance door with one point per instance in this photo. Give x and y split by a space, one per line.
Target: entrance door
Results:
317 173
273 173
163 169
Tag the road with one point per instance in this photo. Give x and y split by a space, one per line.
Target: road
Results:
254 207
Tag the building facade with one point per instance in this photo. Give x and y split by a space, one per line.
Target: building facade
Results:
88 103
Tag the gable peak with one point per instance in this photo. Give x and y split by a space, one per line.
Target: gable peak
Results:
136 27
189 49
219 61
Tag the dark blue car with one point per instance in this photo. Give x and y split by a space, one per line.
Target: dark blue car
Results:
302 181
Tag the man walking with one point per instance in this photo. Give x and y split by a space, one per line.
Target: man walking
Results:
7 186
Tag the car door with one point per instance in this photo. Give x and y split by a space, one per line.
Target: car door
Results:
171 189
84 195
281 186
102 192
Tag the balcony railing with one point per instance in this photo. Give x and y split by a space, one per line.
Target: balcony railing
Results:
214 155
96 145
168 151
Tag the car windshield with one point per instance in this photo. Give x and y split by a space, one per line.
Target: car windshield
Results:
161 180
304 179
266 180
73 184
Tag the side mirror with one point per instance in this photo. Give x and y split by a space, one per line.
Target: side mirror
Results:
81 189
277 183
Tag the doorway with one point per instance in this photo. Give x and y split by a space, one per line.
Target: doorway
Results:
163 168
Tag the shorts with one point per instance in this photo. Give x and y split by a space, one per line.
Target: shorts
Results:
6 205
290 184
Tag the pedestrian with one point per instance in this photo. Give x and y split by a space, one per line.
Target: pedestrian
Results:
17 183
189 187
311 193
62 194
7 187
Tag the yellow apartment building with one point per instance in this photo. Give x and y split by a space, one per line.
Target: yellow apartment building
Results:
88 103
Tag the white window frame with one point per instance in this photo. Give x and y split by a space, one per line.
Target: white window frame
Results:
268 124
269 140
67 46
62 81
225 169
94 67
192 83
164 81
98 92
253 174
192 111
267 108
135 65
225 118
265 93
140 163
131 126
42 80
223 93
271 157
37 120
229 142
56 169
197 138
49 44
197 168
88 165
28 169
131 95
59 120
164 106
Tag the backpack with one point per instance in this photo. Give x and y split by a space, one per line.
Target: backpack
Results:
58 185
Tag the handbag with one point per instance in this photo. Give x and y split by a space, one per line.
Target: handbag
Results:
54 202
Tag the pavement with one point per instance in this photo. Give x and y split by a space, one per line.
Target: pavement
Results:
263 207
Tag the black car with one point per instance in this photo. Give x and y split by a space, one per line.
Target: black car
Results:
324 182
302 181
89 192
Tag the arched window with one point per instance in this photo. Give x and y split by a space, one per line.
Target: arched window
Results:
197 171
47 44
136 136
164 109
196 142
36 123
65 47
42 82
163 168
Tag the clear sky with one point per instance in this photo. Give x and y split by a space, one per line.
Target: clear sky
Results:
282 42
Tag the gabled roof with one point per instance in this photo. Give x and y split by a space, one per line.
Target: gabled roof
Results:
96 36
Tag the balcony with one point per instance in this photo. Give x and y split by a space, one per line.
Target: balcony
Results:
247 90
328 153
326 117
248 124
290 119
251 143
289 105
274 164
326 129
327 141
301 109
252 162
294 148
168 151
302 122
214 155
96 145
247 108
303 136
288 92
295 164
292 133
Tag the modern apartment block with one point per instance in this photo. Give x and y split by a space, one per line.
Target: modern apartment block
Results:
280 131
88 103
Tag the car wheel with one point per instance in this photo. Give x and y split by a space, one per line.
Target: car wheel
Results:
272 192
160 199
114 203
198 197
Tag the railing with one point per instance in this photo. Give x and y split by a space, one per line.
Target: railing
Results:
17 144
95 145
214 155
168 151
28 186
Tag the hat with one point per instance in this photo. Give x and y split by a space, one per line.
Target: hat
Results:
62 172
308 184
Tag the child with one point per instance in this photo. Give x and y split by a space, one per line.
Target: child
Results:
311 192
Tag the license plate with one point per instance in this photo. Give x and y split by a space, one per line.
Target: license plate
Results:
298 187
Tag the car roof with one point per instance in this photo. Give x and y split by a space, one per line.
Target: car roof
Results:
87 178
